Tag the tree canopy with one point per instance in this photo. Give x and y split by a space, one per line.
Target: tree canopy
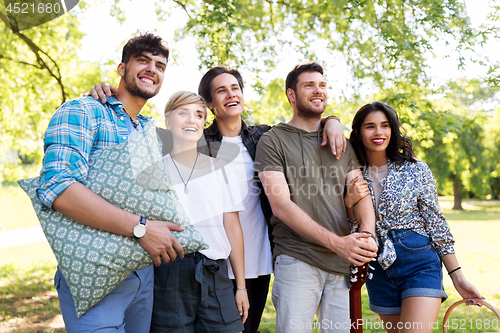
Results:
384 45
39 70
385 41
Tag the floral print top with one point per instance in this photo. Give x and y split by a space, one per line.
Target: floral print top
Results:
409 200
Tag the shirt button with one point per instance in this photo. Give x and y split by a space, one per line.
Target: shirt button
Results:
121 118
124 138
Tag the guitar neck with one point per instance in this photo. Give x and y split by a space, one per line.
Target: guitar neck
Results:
355 310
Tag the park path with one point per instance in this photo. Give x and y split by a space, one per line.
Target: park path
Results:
24 236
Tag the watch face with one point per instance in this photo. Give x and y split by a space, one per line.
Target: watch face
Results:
139 230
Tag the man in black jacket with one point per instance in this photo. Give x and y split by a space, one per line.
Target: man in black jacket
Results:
222 88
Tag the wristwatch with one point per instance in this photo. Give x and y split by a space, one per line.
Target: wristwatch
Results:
140 228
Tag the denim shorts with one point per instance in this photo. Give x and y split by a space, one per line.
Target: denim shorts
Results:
417 271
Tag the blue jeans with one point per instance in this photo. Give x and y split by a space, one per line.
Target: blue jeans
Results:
417 271
127 308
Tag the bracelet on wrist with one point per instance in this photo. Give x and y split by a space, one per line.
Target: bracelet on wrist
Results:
453 271
372 235
336 117
245 289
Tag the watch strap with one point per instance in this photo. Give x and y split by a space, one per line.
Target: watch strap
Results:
142 220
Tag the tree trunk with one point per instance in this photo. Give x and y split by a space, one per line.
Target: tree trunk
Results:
457 194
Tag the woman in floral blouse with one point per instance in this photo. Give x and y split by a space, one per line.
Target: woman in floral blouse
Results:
414 238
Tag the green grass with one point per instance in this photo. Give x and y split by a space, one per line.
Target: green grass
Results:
28 301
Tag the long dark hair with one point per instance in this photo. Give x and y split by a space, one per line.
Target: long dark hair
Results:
400 147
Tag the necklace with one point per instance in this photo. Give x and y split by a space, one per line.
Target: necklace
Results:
135 123
185 183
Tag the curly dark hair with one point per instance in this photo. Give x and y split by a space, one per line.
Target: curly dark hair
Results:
147 42
400 147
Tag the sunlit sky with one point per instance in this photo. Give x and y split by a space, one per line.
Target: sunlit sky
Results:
105 38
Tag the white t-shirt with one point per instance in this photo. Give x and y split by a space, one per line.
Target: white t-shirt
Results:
208 197
258 256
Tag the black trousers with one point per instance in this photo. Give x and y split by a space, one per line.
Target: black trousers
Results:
257 290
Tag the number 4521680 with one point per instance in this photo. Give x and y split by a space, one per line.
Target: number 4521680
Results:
34 8
464 324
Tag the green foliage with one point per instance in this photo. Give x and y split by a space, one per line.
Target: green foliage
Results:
272 108
492 130
458 153
39 70
493 76
493 29
384 41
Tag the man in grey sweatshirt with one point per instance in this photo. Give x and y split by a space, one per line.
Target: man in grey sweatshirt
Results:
305 186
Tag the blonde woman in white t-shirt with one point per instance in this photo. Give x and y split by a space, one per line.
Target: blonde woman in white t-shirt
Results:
195 294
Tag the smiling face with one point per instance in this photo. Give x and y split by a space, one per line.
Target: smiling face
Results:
186 123
310 97
227 97
375 133
143 74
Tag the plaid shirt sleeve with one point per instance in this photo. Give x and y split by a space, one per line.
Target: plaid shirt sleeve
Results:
68 143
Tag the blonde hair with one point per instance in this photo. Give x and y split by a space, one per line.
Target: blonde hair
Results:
182 98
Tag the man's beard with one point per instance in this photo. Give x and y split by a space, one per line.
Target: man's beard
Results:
306 111
135 90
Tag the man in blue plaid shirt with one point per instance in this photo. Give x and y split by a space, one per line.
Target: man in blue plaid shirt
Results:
78 128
